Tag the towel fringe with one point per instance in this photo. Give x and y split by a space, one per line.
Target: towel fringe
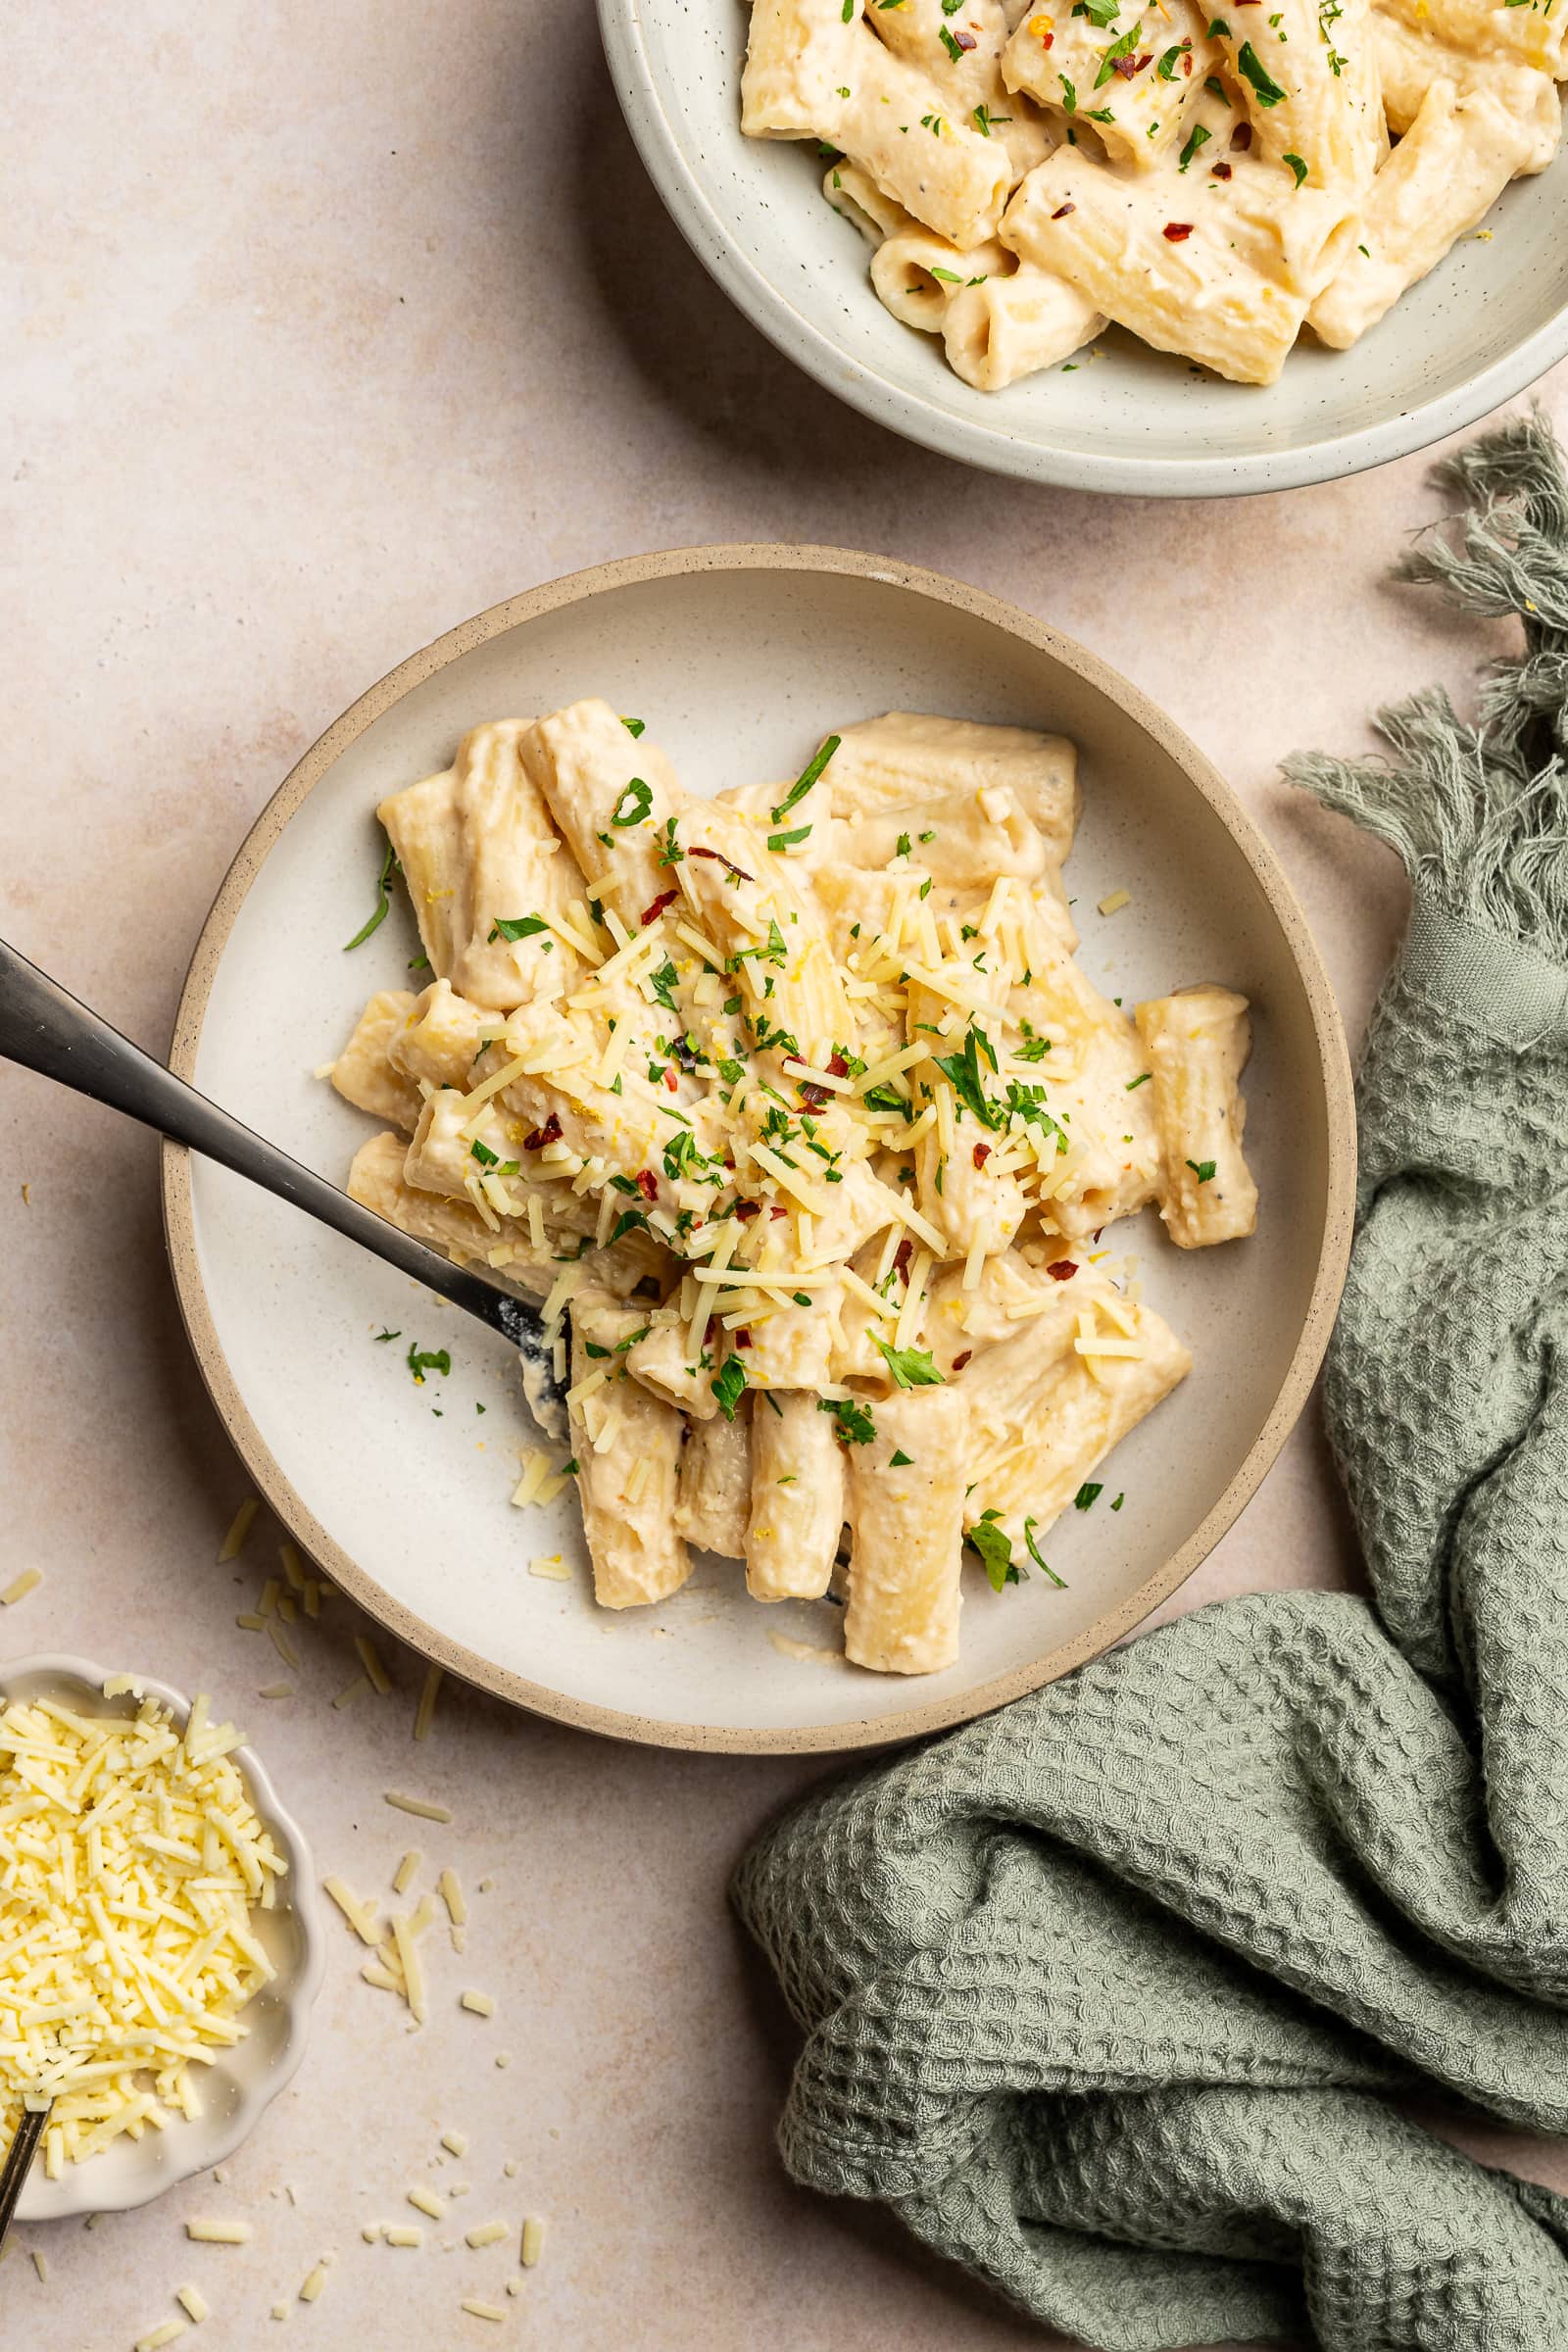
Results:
1479 813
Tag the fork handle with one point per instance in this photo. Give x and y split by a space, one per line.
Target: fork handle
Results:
19 2162
46 1029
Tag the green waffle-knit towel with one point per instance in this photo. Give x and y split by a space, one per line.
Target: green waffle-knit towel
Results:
1106 1994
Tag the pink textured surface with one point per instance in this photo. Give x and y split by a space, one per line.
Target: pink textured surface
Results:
330 327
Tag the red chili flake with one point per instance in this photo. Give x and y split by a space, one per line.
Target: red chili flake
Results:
1130 67
1047 40
960 1361
670 1080
966 40
1063 210
745 1210
1242 137
650 914
1220 171
1178 232
1062 1269
719 859
982 1152
743 1339
813 1097
776 1211
903 1256
548 1133
648 1184
838 1068
1187 66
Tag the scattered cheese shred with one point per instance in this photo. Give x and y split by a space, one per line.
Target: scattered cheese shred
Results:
21 1586
425 2200
402 2237
195 2303
533 2238
456 2143
424 1712
360 1917
239 1526
405 1870
314 2282
417 1804
1117 900
157 2337
451 1894
219 2233
482 2311
481 2003
380 1680
488 2234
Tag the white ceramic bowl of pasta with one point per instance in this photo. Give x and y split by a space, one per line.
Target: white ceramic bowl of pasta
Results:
737 658
1487 322
241 2083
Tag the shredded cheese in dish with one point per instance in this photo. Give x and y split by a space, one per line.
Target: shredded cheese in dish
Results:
131 1862
795 1111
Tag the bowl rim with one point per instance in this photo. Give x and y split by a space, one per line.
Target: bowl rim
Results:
300 1988
923 1716
993 449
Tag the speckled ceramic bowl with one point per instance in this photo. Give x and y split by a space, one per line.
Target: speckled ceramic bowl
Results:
1489 319
240 2083
737 658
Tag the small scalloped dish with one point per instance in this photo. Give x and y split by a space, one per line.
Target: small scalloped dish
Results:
241 2082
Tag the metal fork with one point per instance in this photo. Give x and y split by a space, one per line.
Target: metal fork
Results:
19 2162
47 1030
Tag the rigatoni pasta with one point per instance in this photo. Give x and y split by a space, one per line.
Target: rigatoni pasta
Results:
1213 183
800 1117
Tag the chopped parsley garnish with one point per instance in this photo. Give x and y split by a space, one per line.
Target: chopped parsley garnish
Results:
1120 1499
995 1551
729 1385
491 1159
428 1360
731 1071
383 900
811 770
787 841
1203 1169
1141 1081
592 1348
1297 166
912 1367
851 1419
384 1334
886 1097
903 849
1252 70
898 1459
985 122
640 796
628 1221
963 1070
1200 138
418 963
1033 1049
1088 1496
1101 12
1038 1559
1069 97
633 727
1117 50
661 982
1173 58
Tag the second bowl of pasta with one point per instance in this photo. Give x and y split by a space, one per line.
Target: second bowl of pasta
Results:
1157 250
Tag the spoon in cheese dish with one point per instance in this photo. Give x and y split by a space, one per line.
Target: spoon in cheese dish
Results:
45 1029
